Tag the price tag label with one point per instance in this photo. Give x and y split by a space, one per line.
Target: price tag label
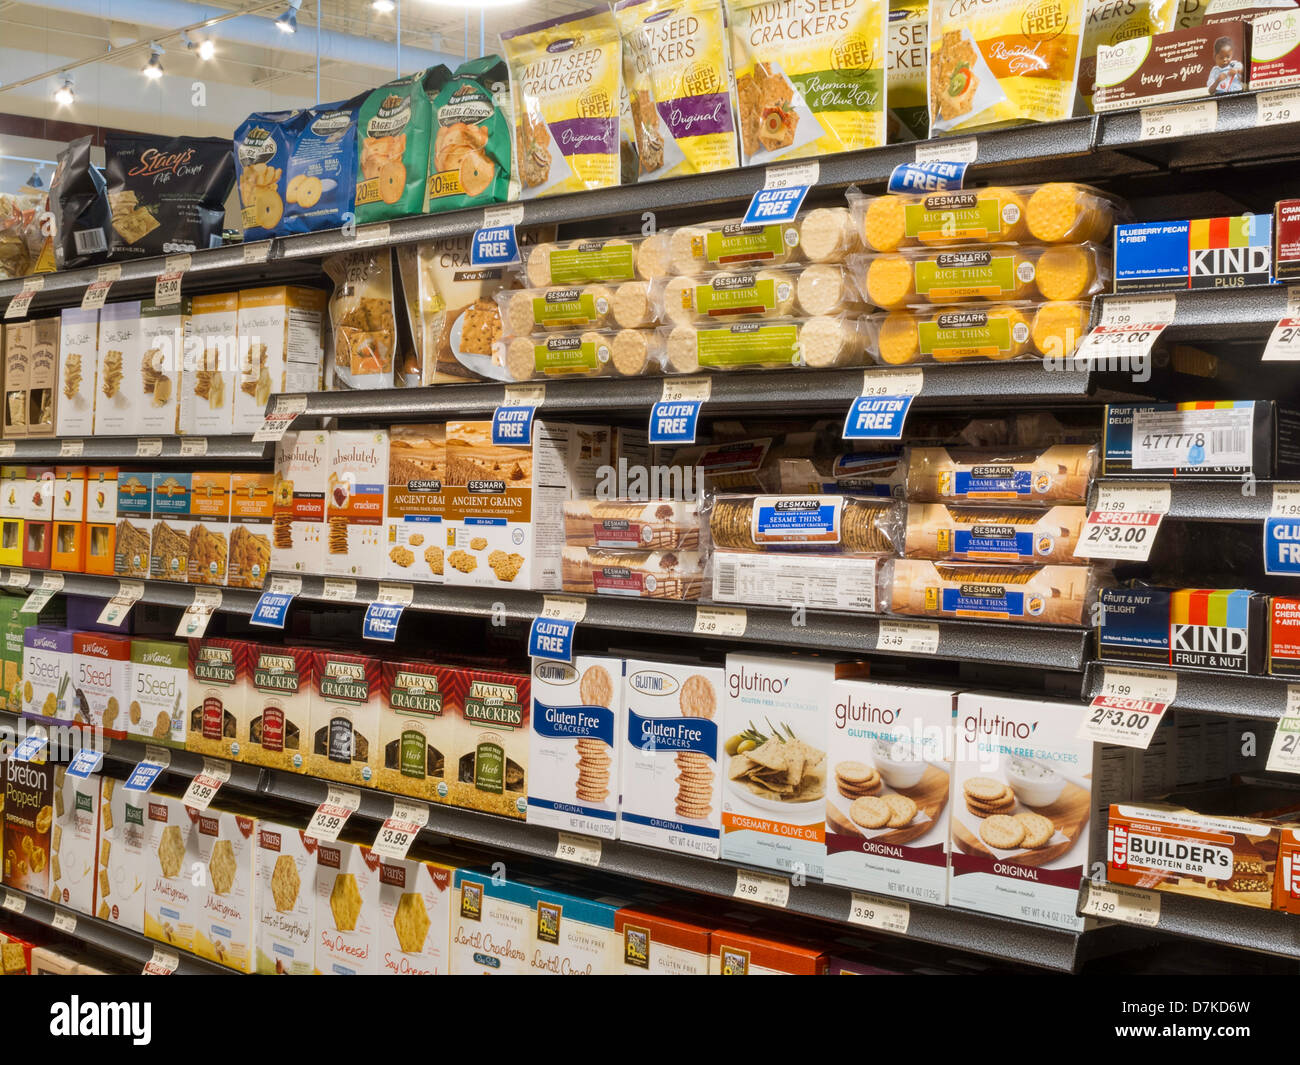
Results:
394 593
1118 347
18 306
523 395
96 295
1284 754
148 447
147 771
766 888
18 578
64 921
257 251
1277 108
1286 501
15 902
116 609
276 421
1187 440
1284 342
332 814
872 911
377 233
505 214
686 389
339 590
1116 902
7 449
1178 120
720 621
400 828
792 175
167 288
194 622
194 446
1125 523
564 607
907 637
205 785
50 586
1128 709
963 150
161 963
880 412
71 449
585 850
1134 310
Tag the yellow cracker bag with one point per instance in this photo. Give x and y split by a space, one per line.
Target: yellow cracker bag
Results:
567 74
909 117
1111 21
997 62
676 74
810 76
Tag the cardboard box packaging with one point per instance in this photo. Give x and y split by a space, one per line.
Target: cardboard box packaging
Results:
171 850
414 732
38 517
1237 436
209 548
68 543
159 682
347 909
119 394
301 481
78 341
218 693
344 721
491 924
1286 885
1284 636
1275 50
354 503
225 911
74 841
209 377
163 331
13 493
286 909
414 506
656 943
101 667
574 935
1286 240
131 541
280 684
1225 252
14 623
252 509
48 694
169 538
735 953
281 348
415 902
101 519
43 378
28 816
490 714
19 340
123 836
1192 628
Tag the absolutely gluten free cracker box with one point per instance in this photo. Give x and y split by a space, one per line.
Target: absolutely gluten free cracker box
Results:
298 521
159 685
346 887
354 503
225 905
343 723
286 906
415 903
123 835
171 852
279 696
414 731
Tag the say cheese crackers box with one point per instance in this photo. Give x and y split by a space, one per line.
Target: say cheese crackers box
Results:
415 902
347 909
344 718
123 842
491 924
279 691
171 852
28 817
286 907
225 910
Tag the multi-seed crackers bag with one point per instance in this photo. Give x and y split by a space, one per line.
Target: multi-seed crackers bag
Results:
676 71
810 76
567 76
393 150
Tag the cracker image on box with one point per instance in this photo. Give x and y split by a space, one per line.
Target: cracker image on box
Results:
573 934
78 340
354 502
489 741
346 889
344 718
252 525
279 691
415 900
156 711
74 842
171 850
29 812
413 731
573 757
286 906
414 538
492 924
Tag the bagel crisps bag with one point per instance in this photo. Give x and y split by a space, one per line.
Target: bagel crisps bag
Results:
469 162
568 76
321 177
810 76
262 145
1110 22
393 150
676 74
997 62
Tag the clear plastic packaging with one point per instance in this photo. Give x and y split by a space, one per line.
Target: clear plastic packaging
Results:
995 331
589 261
1057 474
583 353
541 310
362 314
826 524
822 235
1053 595
763 292
632 524
640 574
913 276
820 343
993 534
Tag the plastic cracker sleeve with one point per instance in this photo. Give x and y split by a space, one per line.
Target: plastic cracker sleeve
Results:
992 533
1054 595
1057 474
837 524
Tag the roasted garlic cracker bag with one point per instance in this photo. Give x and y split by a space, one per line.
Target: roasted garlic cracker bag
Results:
567 75
1111 21
676 74
810 76
393 150
469 162
997 62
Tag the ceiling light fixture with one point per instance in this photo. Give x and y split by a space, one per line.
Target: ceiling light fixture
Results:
288 22
207 49
65 94
153 70
383 7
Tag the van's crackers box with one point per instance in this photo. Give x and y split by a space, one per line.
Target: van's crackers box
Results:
280 348
101 519
286 907
574 935
347 909
415 903
489 743
28 817
354 503
491 924
414 539
889 743
655 943
218 694
344 718
48 694
101 680
252 515
576 732
225 912
208 380
78 337
301 479
159 683
279 691
414 732
171 854
671 779
123 837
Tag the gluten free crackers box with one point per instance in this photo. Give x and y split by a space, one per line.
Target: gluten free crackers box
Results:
286 907
171 851
415 902
301 479
123 835
413 509
225 911
657 943
281 348
279 695
887 788
734 953
74 841
414 732
491 924
159 681
101 678
354 503
218 695
347 909
574 935
28 817
344 718
489 741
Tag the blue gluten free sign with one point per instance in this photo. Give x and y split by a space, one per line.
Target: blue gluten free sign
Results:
877 417
673 421
775 205
552 638
1282 546
494 246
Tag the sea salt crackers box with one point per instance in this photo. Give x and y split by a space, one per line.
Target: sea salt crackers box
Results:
574 935
1022 806
415 899
74 840
163 330
286 908
491 924
208 379
101 679
123 839
347 909
280 348
354 503
279 692
119 391
225 902
504 502
413 509
171 853
887 788
218 697
159 682
78 337
653 942
573 754
414 732
298 513
344 718
488 741
671 779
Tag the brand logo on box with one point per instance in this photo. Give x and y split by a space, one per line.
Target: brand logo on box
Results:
548 922
636 947
734 962
1119 847
471 901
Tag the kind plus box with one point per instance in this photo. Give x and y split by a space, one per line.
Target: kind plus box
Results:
28 817
78 338
38 517
344 718
286 909
1193 628
119 394
169 538
669 762
1284 636
208 378
279 693
488 741
887 788
48 694
504 502
252 514
491 924
159 682
347 909
134 524
101 668
301 478
280 348
123 835
1211 438
1196 253
171 851
225 911
13 491
68 543
209 550
414 731
101 519
218 697
576 736
74 840
413 508
415 901
354 503
656 942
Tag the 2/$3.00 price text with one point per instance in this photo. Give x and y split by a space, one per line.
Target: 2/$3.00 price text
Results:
1134 719
1116 534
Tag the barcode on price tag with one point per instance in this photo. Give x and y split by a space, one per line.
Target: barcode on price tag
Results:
15 902
332 814
720 621
1178 120
1116 902
872 911
1193 439
1277 108
64 921
161 963
581 849
766 888
907 637
205 785
71 449
400 828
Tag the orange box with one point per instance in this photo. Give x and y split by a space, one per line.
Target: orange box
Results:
101 519
656 943
1286 882
743 954
252 508
13 488
68 551
210 533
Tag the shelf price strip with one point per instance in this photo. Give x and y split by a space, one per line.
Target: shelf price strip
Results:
1116 902
766 888
585 850
1282 532
872 911
194 622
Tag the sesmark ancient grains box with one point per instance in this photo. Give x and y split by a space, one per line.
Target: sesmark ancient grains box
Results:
123 837
225 910
279 694
286 907
415 899
159 682
218 694
171 851
301 480
347 909
74 841
414 732
414 506
28 817
354 503
48 695
101 668
489 742
344 718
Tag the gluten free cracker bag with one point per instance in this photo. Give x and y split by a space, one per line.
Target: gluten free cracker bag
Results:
393 150
469 159
1109 22
321 176
676 70
567 76
262 146
909 117
810 77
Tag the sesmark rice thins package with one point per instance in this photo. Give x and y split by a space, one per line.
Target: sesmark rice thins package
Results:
810 77
567 75
393 150
676 72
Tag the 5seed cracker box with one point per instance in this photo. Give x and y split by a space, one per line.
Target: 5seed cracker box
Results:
101 669
171 852
225 910
286 908
347 909
159 684
101 519
28 817
414 731
74 840
68 542
415 901
279 691
218 694
491 924
123 838
48 694
344 718
489 741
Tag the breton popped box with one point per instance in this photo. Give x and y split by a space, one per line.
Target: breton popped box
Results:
28 817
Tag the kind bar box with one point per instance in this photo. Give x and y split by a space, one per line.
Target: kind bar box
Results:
209 550
171 851
344 718
573 935
159 681
655 943
737 953
169 539
1192 628
28 817
669 763
68 543
1213 438
415 902
252 515
74 841
119 389
1286 226
163 332
1024 789
286 908
134 526
209 376
1181 64
354 503
281 348
38 517
225 912
101 680
13 491
887 788
279 695
1198 253
301 478
576 736
123 836
101 519
414 731
78 339
1284 636
491 924
48 694
413 509
347 909
504 503
218 697
489 742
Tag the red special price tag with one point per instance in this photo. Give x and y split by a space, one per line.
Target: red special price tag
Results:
1126 720
1118 534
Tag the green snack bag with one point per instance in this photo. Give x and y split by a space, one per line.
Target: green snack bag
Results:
469 162
393 150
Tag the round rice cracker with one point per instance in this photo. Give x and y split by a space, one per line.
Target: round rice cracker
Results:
984 789
295 183
870 812
596 688
902 810
697 698
1038 829
852 773
309 192
1002 832
269 208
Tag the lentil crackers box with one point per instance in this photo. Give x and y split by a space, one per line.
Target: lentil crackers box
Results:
491 924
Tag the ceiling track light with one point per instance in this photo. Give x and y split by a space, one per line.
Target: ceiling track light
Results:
64 95
153 70
204 49
288 22
383 7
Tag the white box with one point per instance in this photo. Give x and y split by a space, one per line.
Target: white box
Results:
573 934
286 877
74 841
673 710
347 880
281 348
301 479
209 375
163 331
119 388
354 503
896 736
417 892
78 355
414 539
577 731
159 682
171 895
491 924
48 694
225 911
101 680
123 836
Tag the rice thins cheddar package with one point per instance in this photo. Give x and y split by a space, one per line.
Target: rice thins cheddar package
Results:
810 76
675 71
567 76
997 62
393 150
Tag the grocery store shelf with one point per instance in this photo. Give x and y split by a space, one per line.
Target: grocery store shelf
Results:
1215 313
161 593
1221 694
131 448
1193 500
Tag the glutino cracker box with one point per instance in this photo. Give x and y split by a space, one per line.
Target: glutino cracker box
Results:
28 818
218 694
354 503
346 886
887 788
298 521
279 695
489 741
101 681
171 855
343 726
123 834
577 726
280 348
286 906
225 904
491 924
415 902
414 732
159 684
669 771
414 505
